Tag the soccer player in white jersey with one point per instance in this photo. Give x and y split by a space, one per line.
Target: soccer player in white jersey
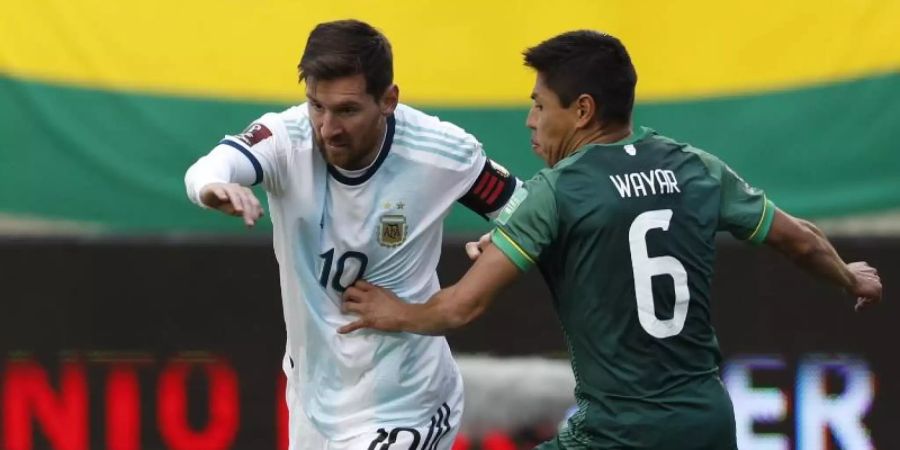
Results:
358 186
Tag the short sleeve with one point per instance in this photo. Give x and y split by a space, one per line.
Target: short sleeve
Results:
264 143
744 211
528 224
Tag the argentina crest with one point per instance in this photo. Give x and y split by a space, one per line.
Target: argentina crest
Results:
392 230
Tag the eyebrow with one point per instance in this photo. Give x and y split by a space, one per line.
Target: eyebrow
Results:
347 104
344 104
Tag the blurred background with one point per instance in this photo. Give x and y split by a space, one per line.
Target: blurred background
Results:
130 319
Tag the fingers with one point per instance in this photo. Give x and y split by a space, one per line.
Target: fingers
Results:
237 200
863 303
352 308
252 207
353 294
472 250
863 267
220 194
351 327
364 285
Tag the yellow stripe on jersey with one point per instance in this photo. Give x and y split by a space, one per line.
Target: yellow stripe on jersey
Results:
511 249
445 54
765 222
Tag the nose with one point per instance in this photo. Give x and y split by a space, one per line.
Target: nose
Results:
330 126
531 120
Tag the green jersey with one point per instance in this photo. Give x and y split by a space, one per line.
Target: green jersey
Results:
624 235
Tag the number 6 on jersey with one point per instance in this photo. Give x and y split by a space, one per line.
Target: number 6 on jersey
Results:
645 268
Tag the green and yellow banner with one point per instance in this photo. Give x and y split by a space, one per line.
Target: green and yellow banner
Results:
103 105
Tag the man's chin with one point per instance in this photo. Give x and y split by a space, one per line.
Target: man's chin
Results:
337 156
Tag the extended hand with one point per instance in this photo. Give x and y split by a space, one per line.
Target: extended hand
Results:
866 286
232 199
377 308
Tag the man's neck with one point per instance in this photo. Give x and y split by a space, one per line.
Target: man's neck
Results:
606 135
599 135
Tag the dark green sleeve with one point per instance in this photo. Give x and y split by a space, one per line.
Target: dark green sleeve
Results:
744 211
528 223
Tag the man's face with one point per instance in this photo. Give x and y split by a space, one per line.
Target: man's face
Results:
348 123
552 126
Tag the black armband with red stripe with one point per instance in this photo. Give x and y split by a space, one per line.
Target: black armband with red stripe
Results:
491 190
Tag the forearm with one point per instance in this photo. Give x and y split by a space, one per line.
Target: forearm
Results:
446 310
817 256
442 313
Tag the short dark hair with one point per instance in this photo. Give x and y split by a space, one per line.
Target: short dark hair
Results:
348 47
587 62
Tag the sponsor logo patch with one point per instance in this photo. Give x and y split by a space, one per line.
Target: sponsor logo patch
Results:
254 134
512 205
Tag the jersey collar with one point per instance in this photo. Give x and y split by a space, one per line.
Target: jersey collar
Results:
636 135
382 154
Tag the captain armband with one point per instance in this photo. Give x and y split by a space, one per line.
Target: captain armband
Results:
492 189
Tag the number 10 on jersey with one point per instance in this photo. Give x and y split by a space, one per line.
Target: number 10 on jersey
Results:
350 267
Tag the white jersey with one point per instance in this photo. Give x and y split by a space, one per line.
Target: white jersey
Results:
382 224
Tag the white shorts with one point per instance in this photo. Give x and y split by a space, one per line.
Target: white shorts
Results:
438 435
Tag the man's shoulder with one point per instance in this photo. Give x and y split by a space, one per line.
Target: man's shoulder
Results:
694 157
292 123
411 121
655 139
295 115
427 139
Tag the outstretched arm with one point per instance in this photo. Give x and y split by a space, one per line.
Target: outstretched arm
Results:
211 182
807 246
220 180
450 308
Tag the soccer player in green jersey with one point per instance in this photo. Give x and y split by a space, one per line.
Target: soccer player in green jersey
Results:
622 226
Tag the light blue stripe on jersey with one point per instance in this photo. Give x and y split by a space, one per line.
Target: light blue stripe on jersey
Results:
298 130
298 134
445 138
300 126
454 147
444 151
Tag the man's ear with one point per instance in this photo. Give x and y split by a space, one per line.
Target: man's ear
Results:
390 99
586 109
